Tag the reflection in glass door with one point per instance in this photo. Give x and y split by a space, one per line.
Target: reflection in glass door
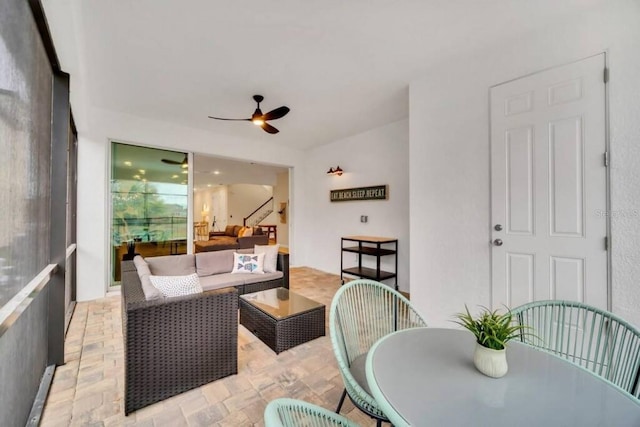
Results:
149 203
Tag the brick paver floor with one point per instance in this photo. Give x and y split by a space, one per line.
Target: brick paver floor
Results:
88 390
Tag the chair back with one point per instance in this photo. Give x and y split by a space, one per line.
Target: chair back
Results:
362 312
590 337
286 412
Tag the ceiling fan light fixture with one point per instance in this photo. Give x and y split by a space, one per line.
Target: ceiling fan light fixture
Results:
257 118
330 171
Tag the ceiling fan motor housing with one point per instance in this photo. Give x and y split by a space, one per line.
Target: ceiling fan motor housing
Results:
257 114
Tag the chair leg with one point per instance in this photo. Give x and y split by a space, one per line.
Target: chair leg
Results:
344 394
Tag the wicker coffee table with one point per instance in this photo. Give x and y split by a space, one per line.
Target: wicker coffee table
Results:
282 319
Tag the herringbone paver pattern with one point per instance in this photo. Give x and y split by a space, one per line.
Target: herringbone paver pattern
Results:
88 390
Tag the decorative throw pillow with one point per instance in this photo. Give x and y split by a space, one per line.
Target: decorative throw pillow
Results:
270 256
241 232
248 263
228 231
248 231
175 286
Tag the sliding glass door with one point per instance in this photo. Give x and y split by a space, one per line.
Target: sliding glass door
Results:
149 203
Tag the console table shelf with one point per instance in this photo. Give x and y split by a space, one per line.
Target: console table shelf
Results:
367 250
370 246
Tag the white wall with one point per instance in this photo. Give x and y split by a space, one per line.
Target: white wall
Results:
243 199
379 156
93 196
449 158
215 199
219 207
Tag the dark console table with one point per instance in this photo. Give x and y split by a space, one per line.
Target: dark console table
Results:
370 246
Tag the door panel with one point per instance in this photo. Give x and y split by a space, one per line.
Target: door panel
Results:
519 144
548 180
566 177
567 278
520 275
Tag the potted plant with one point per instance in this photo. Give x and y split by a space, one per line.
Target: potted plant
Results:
492 331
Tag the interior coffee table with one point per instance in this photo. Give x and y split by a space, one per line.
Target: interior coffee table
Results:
282 319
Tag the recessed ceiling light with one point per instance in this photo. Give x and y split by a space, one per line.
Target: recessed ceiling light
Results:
174 176
136 176
144 180
142 171
185 171
216 172
127 163
208 185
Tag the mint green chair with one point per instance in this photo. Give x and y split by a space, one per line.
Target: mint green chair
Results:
285 412
363 311
590 337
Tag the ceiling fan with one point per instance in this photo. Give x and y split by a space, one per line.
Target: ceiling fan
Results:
259 119
184 163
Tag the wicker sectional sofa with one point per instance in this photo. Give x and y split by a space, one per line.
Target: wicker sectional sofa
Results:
172 345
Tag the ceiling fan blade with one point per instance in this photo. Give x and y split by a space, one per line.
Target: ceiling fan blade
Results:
268 128
183 163
276 114
233 120
171 162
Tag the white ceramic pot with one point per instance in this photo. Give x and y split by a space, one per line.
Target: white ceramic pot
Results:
492 363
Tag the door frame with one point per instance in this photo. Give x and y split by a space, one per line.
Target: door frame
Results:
607 138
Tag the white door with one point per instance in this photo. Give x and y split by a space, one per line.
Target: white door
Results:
549 186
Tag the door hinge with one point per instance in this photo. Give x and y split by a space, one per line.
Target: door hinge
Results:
605 76
606 158
606 243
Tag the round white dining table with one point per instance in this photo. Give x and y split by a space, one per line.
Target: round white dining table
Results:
428 377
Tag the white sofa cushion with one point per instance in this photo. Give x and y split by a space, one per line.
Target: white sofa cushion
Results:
248 263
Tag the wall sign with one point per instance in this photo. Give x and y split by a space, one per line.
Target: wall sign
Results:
377 192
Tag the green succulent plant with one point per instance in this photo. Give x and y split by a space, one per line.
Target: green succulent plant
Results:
491 329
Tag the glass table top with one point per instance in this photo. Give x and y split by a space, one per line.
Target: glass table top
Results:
279 303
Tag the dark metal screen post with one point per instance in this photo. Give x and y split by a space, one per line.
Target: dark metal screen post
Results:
61 117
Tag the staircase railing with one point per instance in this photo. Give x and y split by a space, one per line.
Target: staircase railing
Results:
263 211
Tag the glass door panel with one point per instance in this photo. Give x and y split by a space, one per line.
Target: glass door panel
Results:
149 203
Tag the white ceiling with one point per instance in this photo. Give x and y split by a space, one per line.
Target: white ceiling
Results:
343 67
131 162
